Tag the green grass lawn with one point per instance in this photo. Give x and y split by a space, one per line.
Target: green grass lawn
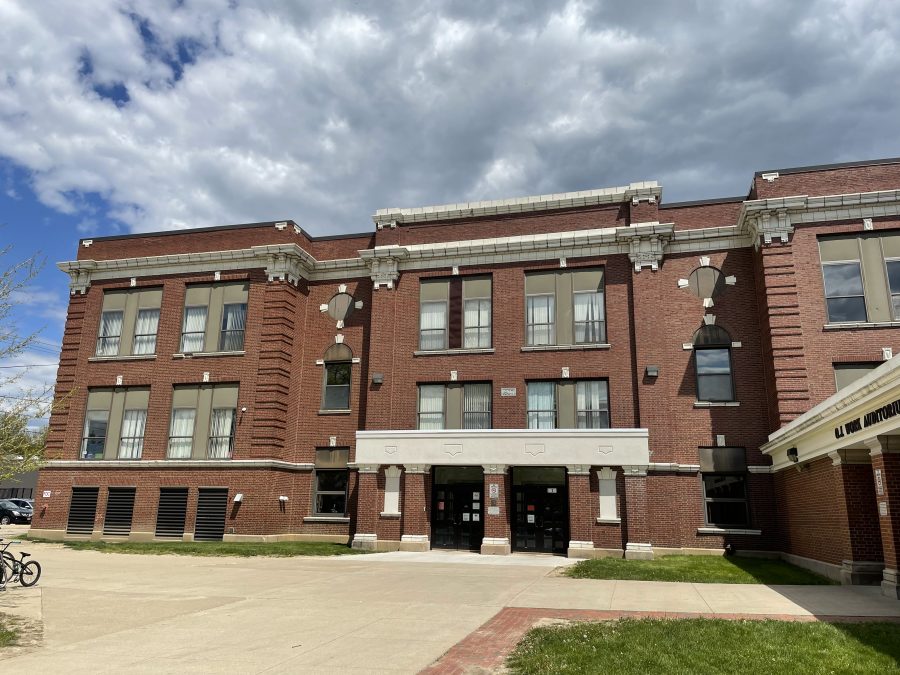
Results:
8 632
697 569
213 548
709 646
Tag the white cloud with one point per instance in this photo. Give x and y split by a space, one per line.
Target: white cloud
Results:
323 112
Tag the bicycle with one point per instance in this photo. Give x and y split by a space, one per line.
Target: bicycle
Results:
11 569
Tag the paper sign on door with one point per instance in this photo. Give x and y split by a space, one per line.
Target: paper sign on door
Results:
530 517
476 517
465 517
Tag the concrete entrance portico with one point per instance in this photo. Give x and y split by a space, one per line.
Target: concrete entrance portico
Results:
610 453
858 431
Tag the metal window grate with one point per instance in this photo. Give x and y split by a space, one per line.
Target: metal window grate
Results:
119 511
211 506
171 512
82 510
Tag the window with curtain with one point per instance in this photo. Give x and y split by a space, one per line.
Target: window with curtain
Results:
330 497
110 333
844 292
336 395
145 331
590 323
893 273
477 406
234 319
131 441
712 358
477 323
93 441
432 325
221 433
592 404
194 329
540 315
541 405
431 406
181 433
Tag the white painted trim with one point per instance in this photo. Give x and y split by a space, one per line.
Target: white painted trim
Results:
198 355
453 352
126 357
673 466
609 521
338 520
716 404
564 348
529 204
726 530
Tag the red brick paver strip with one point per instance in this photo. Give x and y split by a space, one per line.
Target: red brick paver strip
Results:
486 648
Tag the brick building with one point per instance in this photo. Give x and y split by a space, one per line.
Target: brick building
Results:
591 373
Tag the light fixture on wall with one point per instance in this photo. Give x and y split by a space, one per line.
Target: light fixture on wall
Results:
377 378
239 497
793 455
652 371
282 498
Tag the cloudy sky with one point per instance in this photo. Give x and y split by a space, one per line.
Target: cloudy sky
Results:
135 115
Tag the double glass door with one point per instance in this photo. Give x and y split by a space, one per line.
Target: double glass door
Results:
540 505
457 510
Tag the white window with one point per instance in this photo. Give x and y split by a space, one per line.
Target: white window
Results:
477 323
131 442
221 433
145 331
181 433
433 325
194 329
540 315
431 406
477 406
541 405
110 333
592 404
234 320
589 319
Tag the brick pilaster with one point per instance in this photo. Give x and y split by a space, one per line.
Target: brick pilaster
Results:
581 544
415 507
887 495
367 508
496 511
637 520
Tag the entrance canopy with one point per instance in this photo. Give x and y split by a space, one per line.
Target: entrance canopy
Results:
511 447
856 419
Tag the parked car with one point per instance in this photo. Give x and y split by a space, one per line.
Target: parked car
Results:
24 503
13 513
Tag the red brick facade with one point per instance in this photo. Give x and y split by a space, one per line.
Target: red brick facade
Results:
772 307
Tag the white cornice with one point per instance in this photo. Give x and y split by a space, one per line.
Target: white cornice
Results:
647 190
287 262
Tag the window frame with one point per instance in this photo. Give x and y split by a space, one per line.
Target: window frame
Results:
480 328
224 332
529 327
727 500
445 330
201 333
466 413
590 411
697 374
325 385
887 277
316 492
117 338
554 410
862 281
154 334
190 450
132 439
602 321
419 412
210 439
85 437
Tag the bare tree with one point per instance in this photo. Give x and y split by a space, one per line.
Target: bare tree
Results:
21 447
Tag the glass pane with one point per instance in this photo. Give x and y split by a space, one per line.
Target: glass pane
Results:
846 309
724 486
727 514
337 397
713 361
337 373
145 331
539 319
234 319
92 448
431 421
145 344
842 279
331 504
331 481
714 388
893 270
895 301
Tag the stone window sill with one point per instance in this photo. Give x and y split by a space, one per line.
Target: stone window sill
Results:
862 324
726 530
609 521
196 355
335 412
716 404
453 352
327 519
124 357
390 515
566 348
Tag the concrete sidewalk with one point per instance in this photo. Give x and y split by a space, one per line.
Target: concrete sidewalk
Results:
375 613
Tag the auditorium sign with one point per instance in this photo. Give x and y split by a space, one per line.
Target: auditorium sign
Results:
872 418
